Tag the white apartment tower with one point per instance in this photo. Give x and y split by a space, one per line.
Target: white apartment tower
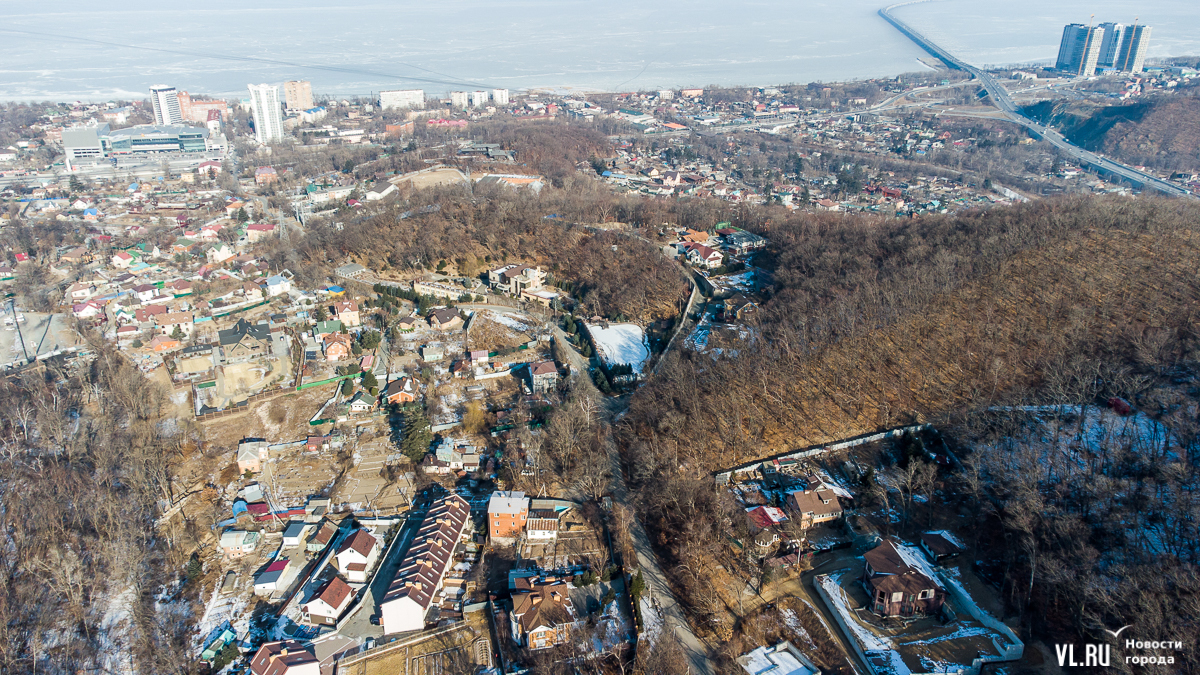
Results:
459 100
479 99
298 95
165 101
268 117
1131 55
402 98
1080 49
500 96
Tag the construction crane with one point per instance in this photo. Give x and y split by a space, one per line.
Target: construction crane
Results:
1087 44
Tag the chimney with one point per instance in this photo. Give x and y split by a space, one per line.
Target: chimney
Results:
283 651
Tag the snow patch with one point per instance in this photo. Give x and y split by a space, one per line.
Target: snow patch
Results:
621 343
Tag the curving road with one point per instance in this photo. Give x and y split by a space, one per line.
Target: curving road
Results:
1002 100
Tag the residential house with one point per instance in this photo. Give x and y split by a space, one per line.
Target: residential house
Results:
287 657
815 506
357 555
736 307
162 343
79 292
265 175
251 453
400 391
325 533
422 572
273 578
543 376
507 513
149 313
259 231
701 255
79 254
940 545
899 582
407 324
542 524
517 278
362 402
252 292
169 321
542 613
245 341
293 534
336 346
328 603
87 310
695 236
219 253
278 285
238 543
445 319
145 292
346 311
323 328
740 242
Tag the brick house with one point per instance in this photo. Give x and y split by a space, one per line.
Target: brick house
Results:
400 391
507 513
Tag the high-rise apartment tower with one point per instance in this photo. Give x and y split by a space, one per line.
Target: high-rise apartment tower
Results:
1080 49
268 117
165 101
297 94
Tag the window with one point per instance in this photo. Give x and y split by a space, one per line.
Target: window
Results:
925 595
897 597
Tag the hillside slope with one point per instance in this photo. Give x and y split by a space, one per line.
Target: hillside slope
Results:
1113 277
1161 132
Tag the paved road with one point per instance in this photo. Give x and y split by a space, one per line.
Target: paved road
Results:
359 624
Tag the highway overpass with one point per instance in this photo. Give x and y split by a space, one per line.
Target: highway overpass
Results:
1001 99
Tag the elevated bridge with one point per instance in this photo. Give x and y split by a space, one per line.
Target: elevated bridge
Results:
1001 99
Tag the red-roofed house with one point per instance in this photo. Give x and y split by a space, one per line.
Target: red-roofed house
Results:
328 603
699 254
357 555
287 657
259 231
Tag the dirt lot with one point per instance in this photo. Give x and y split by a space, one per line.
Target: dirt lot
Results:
280 419
429 179
297 475
364 485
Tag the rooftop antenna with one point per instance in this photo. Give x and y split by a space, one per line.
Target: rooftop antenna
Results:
1087 44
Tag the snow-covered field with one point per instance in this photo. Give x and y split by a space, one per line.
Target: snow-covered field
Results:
507 320
621 343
